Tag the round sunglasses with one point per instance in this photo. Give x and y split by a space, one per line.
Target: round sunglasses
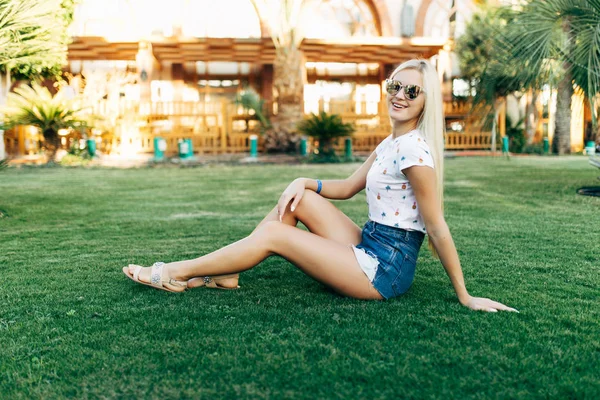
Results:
411 92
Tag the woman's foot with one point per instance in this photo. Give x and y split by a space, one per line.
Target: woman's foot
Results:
217 282
162 277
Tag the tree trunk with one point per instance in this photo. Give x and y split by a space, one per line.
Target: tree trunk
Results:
4 88
562 132
288 83
496 109
561 143
531 117
52 144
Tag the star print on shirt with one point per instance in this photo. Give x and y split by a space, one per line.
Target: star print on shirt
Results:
391 190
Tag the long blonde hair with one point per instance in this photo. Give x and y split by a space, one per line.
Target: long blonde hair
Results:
431 122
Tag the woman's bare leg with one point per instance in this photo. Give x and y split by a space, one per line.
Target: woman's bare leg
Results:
323 254
326 260
319 215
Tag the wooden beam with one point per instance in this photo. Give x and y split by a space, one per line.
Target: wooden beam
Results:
378 50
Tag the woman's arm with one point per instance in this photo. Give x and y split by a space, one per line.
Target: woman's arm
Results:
422 180
339 189
343 188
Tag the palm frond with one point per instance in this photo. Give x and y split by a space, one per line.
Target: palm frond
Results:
29 32
35 105
250 100
325 126
282 17
547 39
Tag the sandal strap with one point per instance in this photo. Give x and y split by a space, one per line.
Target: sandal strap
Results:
136 272
209 282
156 277
177 283
156 274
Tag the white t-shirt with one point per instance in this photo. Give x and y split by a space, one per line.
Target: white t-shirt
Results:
390 196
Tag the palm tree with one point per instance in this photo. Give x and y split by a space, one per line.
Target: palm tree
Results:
483 64
326 128
36 106
29 34
558 41
289 66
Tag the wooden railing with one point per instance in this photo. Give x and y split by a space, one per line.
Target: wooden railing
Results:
457 108
348 110
26 140
221 127
468 141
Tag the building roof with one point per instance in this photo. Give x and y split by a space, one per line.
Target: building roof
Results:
388 50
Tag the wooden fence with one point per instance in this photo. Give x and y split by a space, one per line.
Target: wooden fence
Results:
216 127
468 141
27 140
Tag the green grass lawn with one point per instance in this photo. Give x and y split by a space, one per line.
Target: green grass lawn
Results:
71 325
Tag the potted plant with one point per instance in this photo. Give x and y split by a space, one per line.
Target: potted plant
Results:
326 128
35 105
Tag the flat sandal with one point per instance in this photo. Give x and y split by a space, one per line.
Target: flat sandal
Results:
210 281
156 280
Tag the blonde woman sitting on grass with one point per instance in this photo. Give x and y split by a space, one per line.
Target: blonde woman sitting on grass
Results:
403 178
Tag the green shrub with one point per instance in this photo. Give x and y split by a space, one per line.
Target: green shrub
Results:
75 150
35 105
516 135
326 128
72 160
535 148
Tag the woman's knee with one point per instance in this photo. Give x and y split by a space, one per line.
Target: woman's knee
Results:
267 233
308 202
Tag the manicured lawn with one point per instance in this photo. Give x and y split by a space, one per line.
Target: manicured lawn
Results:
71 325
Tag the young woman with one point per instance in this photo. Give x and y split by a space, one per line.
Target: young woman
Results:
404 187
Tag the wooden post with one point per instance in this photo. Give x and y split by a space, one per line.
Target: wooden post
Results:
20 131
227 125
577 121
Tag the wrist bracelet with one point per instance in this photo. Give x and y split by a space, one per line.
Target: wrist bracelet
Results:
319 186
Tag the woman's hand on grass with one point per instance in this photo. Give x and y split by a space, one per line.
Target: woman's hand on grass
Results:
484 304
294 191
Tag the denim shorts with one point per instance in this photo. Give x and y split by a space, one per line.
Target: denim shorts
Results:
395 250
